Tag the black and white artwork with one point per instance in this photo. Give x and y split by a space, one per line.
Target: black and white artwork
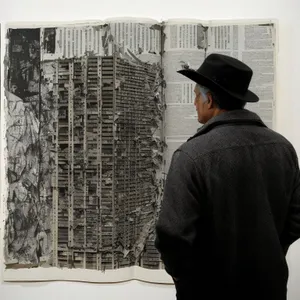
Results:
93 113
84 150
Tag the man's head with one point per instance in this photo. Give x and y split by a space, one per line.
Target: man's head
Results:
227 83
210 104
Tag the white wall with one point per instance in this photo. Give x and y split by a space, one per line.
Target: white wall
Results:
288 105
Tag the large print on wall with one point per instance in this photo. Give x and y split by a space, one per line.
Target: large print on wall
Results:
93 113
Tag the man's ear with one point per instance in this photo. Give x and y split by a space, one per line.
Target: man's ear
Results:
210 101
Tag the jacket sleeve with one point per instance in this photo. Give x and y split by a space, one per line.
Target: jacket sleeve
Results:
176 227
291 231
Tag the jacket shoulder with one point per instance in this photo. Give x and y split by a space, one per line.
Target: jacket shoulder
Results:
233 137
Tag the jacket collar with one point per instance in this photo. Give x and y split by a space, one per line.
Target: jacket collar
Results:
234 117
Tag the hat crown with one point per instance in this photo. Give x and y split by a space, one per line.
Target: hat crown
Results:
227 72
224 74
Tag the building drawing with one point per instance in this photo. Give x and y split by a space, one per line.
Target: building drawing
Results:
103 183
85 152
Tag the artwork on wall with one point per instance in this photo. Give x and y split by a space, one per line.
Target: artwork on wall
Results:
93 113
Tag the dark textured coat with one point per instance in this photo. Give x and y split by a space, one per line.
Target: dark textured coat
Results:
230 211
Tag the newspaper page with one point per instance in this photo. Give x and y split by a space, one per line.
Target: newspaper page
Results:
185 44
189 42
83 113
254 44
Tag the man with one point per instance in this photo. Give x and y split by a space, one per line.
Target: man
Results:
231 205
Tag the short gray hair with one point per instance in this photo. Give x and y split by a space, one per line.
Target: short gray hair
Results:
220 99
203 90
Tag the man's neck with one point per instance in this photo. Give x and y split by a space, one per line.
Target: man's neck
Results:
218 111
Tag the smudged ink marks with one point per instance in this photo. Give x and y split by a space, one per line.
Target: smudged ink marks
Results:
49 38
27 229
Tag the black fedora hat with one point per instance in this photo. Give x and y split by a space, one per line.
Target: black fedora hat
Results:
224 74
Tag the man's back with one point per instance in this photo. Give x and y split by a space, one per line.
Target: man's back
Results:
244 177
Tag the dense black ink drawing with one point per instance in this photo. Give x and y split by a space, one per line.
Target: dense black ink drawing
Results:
29 197
49 40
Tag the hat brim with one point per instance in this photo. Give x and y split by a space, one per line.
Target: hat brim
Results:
203 80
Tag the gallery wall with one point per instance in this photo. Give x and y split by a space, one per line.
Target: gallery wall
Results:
287 107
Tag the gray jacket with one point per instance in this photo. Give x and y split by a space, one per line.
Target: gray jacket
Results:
231 209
